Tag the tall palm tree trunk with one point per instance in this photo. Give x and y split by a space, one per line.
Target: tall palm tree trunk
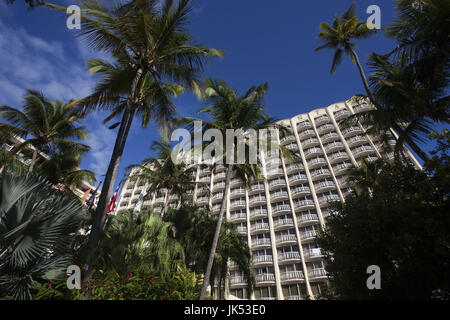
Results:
107 189
216 234
395 126
33 161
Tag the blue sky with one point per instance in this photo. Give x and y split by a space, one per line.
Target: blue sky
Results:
264 41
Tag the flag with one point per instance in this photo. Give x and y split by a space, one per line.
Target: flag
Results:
112 203
92 199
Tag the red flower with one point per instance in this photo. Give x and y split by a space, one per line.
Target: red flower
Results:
49 285
130 275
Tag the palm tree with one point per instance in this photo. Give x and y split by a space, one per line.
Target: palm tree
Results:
46 125
162 173
230 111
37 226
150 44
194 230
339 36
365 178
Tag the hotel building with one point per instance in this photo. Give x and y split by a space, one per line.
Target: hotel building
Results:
279 217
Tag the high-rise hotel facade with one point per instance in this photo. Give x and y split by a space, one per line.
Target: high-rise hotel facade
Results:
279 216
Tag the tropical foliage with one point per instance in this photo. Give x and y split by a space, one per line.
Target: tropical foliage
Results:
37 227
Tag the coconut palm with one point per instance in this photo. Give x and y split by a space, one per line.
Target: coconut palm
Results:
37 226
149 41
230 111
195 231
161 172
46 125
339 37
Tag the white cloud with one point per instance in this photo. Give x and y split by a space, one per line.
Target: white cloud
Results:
101 140
29 62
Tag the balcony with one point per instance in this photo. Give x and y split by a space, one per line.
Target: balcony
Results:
287 139
324 185
304 204
218 186
285 208
237 204
275 183
321 119
216 208
338 115
362 151
293 298
275 172
257 200
348 132
312 253
257 187
307 219
316 174
218 196
361 107
257 227
333 146
292 146
283 223
300 191
294 166
220 175
341 167
317 273
313 152
287 239
289 256
298 178
331 136
263 259
202 200
279 195
292 276
338 156
264 242
317 162
265 278
308 235
325 128
237 192
329 198
237 281
303 125
242 230
238 217
307 133
259 213
356 140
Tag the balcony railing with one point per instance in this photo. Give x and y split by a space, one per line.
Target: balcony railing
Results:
261 242
262 259
292 275
259 226
258 213
320 172
300 190
253 200
303 203
279 208
317 273
308 234
326 199
307 218
286 256
283 222
313 253
286 238
238 280
265 277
